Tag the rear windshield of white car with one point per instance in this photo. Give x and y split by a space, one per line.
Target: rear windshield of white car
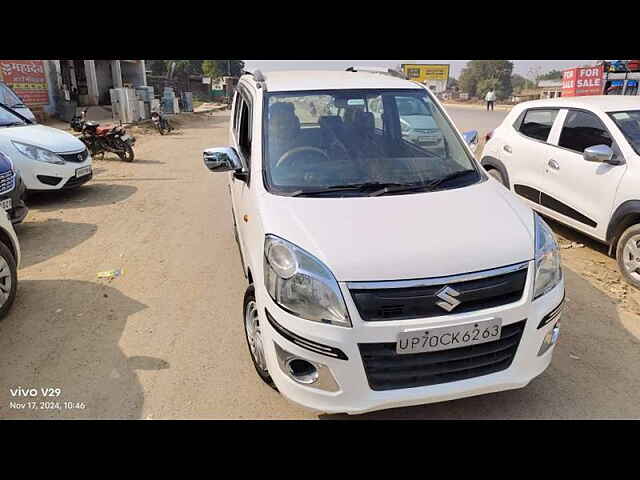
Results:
356 143
629 123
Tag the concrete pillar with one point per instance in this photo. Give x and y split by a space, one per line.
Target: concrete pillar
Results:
143 73
116 73
92 81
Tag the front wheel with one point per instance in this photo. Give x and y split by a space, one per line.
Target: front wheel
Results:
254 335
628 255
127 155
8 279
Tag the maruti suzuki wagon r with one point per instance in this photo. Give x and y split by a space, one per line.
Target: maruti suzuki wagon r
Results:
384 269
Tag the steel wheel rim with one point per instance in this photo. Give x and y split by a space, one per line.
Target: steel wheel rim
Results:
254 335
5 281
631 257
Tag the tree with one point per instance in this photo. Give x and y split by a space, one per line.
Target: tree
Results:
221 68
551 75
479 76
519 83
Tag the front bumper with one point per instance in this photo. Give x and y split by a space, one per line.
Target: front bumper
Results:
18 210
352 393
47 176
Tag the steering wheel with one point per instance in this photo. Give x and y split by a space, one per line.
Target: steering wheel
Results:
300 149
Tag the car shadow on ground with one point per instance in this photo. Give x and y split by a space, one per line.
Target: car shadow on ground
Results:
89 195
65 334
40 241
575 236
593 374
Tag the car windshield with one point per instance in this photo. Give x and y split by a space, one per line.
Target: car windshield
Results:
344 142
629 123
9 119
9 97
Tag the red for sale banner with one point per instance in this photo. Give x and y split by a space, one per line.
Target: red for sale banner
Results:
27 78
582 81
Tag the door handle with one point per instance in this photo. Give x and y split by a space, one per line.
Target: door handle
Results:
507 148
553 164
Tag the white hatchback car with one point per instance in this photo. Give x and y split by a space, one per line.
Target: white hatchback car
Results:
381 273
46 158
577 160
9 263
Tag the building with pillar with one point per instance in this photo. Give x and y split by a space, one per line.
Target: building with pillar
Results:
77 83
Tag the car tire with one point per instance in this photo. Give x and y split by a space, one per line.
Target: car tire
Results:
628 255
8 279
253 336
495 173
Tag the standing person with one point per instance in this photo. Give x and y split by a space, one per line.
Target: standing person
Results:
490 98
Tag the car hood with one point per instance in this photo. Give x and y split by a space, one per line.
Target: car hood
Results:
396 237
52 139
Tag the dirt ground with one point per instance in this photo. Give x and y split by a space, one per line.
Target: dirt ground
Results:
164 339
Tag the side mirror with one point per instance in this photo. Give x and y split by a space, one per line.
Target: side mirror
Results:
222 160
471 139
598 153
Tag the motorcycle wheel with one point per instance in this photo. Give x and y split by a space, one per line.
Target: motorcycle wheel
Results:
127 155
160 129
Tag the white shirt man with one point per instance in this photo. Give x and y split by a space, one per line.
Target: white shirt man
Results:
490 98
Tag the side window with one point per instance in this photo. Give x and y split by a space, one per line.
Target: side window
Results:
537 123
582 130
244 131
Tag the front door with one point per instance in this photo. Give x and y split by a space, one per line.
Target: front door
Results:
577 192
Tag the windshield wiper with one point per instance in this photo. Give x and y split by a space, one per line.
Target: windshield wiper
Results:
358 187
452 176
11 124
422 186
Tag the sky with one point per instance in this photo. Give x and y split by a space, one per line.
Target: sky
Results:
525 68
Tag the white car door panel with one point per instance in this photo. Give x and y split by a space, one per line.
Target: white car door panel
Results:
578 192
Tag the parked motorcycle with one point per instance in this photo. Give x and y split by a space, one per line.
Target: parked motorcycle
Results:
98 139
161 123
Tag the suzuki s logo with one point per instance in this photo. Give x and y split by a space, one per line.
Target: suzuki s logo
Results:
448 294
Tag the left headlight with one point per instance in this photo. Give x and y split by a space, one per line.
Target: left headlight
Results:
548 269
302 284
37 153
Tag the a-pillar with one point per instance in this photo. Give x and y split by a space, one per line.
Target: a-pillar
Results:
92 81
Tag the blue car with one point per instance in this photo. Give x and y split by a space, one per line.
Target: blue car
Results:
12 191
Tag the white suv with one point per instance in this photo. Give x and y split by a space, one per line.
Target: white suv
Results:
381 273
577 160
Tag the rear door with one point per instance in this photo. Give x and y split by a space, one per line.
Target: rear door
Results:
523 151
577 192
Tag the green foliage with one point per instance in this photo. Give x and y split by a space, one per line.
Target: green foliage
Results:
220 68
519 83
552 75
480 75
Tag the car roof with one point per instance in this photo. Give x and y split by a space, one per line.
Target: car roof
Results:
298 80
604 103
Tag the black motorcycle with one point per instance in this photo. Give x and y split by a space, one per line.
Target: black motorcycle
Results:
98 139
161 123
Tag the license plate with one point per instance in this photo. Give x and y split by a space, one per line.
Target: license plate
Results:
6 204
81 172
124 138
427 139
444 338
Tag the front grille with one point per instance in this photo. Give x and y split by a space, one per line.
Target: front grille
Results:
77 157
7 182
75 181
386 370
380 304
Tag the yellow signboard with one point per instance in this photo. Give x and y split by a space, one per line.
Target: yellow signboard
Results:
422 72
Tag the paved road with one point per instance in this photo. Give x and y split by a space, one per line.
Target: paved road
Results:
165 339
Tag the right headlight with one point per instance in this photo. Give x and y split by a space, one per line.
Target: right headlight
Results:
37 153
301 284
548 269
